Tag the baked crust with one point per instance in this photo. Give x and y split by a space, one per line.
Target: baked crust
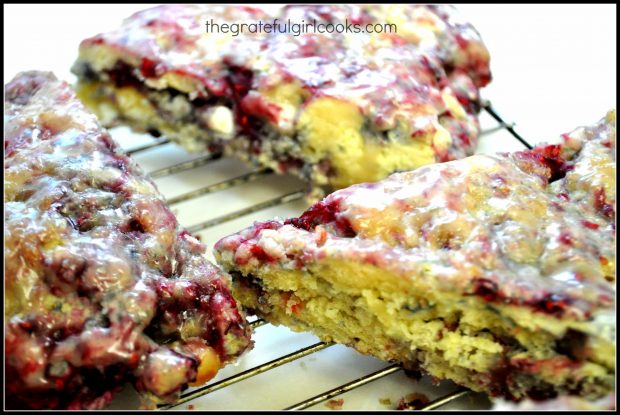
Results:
334 109
102 285
495 271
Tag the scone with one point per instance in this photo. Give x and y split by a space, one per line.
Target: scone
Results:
495 271
332 108
102 285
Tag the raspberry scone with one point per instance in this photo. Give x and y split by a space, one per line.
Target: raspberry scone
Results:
332 108
495 271
102 285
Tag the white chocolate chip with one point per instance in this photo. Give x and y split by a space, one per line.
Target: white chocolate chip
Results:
270 242
220 119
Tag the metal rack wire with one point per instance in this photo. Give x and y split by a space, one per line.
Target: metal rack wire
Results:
256 324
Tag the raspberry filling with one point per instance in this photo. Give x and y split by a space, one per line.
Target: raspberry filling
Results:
323 213
600 203
549 157
553 304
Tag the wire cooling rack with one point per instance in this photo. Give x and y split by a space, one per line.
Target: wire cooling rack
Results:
213 197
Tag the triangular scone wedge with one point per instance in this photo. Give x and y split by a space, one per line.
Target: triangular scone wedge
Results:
495 271
102 285
334 94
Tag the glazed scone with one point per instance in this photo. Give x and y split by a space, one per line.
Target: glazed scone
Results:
102 285
334 109
495 271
